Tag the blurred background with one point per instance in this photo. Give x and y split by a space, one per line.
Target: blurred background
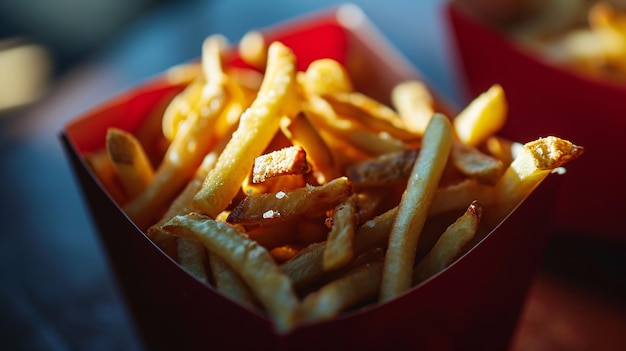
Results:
60 58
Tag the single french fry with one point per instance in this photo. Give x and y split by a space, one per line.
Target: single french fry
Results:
456 196
340 244
101 164
449 245
129 160
534 163
358 286
414 103
256 129
276 207
382 170
253 49
368 142
414 207
370 113
475 164
228 282
181 106
325 76
286 161
251 261
482 117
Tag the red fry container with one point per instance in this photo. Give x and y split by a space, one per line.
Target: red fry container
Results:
473 304
549 100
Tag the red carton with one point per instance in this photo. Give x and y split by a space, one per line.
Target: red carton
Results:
548 100
474 304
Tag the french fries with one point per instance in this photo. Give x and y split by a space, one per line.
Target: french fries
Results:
192 140
585 37
251 261
414 103
256 129
300 197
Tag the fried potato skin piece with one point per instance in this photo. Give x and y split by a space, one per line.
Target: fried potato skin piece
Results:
286 161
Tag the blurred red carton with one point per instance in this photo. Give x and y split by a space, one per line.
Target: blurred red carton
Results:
549 100
474 304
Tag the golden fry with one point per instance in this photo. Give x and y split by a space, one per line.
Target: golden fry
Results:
382 170
358 286
253 49
414 103
101 164
340 244
289 160
277 207
368 142
129 160
256 129
370 113
300 131
414 207
181 106
483 117
534 163
456 196
449 245
325 76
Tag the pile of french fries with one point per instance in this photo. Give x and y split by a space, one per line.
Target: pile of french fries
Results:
584 36
294 194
